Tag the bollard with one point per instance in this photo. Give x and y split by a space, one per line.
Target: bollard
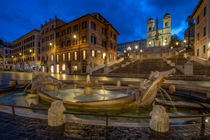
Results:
159 119
56 117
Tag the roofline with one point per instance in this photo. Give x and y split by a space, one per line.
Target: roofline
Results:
25 35
196 8
85 16
72 21
107 21
132 41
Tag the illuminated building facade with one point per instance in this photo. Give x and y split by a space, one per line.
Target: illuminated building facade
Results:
48 42
201 14
134 46
5 56
159 37
90 38
26 52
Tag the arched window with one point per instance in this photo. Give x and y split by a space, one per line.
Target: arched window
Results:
150 29
166 24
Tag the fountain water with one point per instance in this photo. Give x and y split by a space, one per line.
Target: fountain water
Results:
161 89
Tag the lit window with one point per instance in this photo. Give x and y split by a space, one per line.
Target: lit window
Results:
75 68
69 56
42 68
57 58
104 55
93 53
57 67
52 57
52 69
75 55
63 67
84 54
64 57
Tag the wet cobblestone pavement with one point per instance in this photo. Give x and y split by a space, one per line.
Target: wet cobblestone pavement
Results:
37 129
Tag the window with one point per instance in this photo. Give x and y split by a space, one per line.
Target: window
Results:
197 52
57 67
84 25
84 54
198 20
62 44
104 44
75 28
198 36
204 31
47 38
64 57
42 40
93 39
63 67
57 58
115 37
92 53
68 43
52 69
204 49
104 31
75 55
84 39
93 26
74 42
204 11
63 32
69 30
111 45
69 56
111 33
51 36
166 24
52 57
57 34
104 55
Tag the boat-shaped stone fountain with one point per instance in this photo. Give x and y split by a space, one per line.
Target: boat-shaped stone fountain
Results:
89 97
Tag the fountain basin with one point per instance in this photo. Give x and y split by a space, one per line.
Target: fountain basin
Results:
117 102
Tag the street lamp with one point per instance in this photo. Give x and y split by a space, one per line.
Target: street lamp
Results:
20 53
50 43
164 43
141 51
30 50
136 47
125 51
209 45
129 48
74 36
177 43
185 41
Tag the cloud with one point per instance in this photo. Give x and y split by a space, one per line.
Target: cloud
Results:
180 29
129 17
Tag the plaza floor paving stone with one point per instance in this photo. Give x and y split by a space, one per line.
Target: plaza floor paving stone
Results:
23 128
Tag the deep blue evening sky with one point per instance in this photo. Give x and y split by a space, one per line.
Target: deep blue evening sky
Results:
129 17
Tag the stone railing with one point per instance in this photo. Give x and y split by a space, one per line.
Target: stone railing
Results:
201 60
109 65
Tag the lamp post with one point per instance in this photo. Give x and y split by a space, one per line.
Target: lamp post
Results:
136 47
129 49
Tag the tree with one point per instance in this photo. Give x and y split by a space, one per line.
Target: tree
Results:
175 41
1 42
